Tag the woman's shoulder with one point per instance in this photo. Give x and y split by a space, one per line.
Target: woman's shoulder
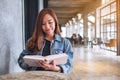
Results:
62 39
65 40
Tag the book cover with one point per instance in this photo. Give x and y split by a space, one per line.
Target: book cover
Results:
31 60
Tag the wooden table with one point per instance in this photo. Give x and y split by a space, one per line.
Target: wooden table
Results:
35 75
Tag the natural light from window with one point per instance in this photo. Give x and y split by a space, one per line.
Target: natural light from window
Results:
91 18
105 1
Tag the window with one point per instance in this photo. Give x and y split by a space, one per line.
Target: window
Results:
105 1
107 24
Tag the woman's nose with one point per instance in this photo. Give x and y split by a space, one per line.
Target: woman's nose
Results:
47 25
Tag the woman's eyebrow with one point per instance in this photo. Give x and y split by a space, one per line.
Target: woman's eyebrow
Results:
50 20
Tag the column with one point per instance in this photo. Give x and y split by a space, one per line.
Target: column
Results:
118 27
85 26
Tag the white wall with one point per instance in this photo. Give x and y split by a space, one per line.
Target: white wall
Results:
10 35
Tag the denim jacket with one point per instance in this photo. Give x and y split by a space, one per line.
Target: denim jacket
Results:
59 45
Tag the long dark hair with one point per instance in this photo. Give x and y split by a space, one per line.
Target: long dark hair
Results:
36 41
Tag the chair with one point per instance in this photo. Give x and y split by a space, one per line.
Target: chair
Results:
112 43
97 41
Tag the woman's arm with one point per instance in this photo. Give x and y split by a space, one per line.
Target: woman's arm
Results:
66 68
21 61
51 66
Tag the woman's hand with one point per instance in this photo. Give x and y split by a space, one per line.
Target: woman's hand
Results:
51 66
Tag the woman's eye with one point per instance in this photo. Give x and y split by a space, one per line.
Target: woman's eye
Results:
50 22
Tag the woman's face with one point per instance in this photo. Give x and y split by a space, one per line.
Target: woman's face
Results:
48 25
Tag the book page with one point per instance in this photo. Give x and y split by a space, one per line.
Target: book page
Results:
31 60
58 58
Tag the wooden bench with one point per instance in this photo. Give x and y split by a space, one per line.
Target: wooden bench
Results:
112 43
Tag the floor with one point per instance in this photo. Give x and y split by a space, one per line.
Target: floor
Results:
95 64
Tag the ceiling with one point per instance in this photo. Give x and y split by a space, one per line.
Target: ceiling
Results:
67 9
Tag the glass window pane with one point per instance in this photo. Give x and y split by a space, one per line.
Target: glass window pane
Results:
81 25
104 28
113 7
108 27
105 37
113 35
113 27
104 20
112 17
105 10
108 36
108 19
115 17
101 28
113 48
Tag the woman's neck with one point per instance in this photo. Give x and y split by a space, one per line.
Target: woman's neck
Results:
49 37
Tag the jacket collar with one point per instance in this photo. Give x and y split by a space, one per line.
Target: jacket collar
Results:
57 37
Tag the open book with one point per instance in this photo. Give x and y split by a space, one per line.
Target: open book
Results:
31 60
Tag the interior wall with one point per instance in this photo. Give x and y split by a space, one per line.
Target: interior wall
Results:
10 35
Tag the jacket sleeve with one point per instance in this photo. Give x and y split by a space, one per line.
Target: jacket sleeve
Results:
21 61
66 68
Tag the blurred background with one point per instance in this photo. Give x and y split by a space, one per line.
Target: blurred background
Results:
86 23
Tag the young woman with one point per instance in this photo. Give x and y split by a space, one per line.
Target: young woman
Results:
46 40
